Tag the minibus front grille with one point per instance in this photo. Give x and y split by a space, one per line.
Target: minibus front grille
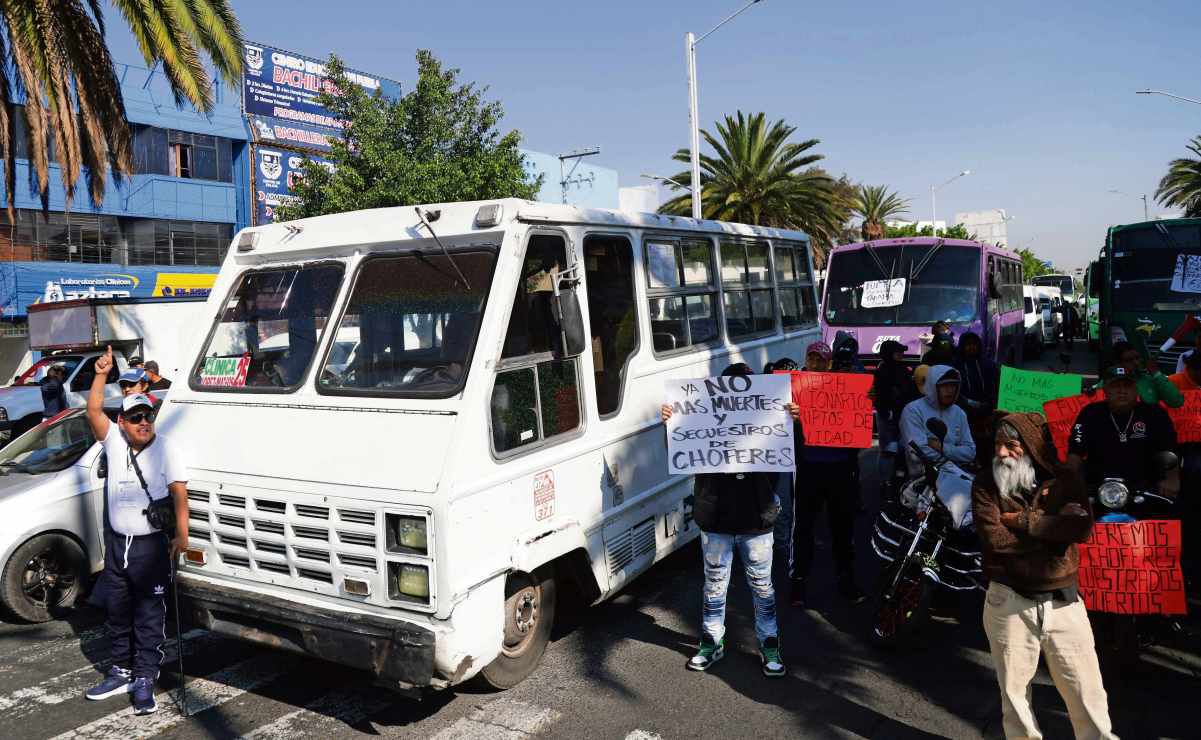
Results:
269 527
306 554
270 507
199 534
315 575
198 496
236 561
362 539
273 567
312 512
225 539
234 502
310 533
231 521
270 547
357 561
355 516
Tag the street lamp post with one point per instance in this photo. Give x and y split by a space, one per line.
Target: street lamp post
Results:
1166 94
660 178
934 202
1143 197
694 132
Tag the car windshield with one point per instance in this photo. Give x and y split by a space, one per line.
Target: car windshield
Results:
50 446
37 371
269 328
1063 282
412 322
1154 270
920 284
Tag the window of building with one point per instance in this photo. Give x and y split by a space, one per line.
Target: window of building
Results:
159 242
536 397
196 156
681 292
747 292
612 315
798 306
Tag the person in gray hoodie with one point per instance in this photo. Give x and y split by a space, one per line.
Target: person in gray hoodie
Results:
938 402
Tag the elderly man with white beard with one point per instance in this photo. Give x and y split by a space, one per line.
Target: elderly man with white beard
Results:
1030 512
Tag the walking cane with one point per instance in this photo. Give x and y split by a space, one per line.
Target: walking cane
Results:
183 693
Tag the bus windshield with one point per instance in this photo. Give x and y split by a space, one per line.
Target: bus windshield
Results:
946 287
1157 265
1063 282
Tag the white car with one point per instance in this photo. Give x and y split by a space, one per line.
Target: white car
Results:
1035 335
21 403
1050 305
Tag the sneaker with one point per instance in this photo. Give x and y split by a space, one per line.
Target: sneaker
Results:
707 654
116 681
797 594
769 655
850 591
143 696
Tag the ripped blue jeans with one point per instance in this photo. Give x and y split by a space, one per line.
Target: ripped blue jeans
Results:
755 551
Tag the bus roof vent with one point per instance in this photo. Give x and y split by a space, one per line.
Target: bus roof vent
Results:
489 215
247 241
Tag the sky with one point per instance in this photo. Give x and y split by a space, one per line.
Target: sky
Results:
1035 98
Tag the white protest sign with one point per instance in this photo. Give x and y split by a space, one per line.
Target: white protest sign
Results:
737 424
883 293
1186 278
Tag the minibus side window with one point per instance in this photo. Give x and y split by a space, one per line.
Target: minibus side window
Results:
797 305
609 274
682 295
747 289
535 397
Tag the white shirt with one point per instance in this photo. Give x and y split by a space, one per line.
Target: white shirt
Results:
160 464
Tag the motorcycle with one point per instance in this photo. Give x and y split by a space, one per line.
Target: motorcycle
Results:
926 538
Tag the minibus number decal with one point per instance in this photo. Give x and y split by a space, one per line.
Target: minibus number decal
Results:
544 495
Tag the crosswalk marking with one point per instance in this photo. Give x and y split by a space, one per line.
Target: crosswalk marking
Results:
320 717
502 719
643 735
203 694
39 651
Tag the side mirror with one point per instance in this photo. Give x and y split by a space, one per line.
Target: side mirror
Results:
1166 462
938 428
572 340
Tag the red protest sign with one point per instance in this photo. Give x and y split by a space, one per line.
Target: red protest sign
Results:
1133 568
1061 415
835 409
1187 418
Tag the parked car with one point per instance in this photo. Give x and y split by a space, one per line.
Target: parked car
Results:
1033 320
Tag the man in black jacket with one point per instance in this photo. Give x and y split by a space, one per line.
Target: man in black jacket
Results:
736 511
892 388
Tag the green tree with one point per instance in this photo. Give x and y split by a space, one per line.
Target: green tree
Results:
1181 186
1032 264
958 231
756 176
437 144
875 204
57 64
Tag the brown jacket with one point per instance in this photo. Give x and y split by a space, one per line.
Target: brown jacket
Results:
1039 553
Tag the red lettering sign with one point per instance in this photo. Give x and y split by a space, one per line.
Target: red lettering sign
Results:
1133 568
1187 418
1061 415
835 409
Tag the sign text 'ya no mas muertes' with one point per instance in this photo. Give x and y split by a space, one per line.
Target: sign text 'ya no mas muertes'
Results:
736 424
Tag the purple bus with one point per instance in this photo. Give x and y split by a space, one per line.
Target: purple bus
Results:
897 288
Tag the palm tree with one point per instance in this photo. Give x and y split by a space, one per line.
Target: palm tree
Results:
875 204
1181 187
757 176
53 59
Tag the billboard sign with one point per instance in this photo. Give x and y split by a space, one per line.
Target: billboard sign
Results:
279 96
25 283
276 172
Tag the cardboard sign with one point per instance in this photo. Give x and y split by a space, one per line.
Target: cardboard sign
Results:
1186 278
736 424
1133 568
1028 390
225 371
1187 418
1061 414
835 408
883 293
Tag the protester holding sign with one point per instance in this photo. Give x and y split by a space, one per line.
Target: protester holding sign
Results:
827 477
1030 513
735 511
1188 432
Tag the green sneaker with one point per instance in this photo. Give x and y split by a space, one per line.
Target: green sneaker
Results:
707 654
769 654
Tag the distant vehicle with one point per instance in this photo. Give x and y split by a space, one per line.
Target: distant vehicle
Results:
1147 280
1050 306
1033 316
898 288
1092 314
1065 283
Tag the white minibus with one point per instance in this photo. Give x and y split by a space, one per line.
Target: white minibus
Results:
410 428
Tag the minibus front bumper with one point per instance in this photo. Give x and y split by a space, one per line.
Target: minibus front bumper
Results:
398 653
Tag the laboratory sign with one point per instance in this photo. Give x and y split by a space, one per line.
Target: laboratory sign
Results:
26 283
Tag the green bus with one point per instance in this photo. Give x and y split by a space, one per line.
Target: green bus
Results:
1147 280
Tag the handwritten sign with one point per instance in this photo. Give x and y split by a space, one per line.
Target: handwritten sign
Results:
1187 418
736 424
883 293
1186 278
1028 390
225 371
1133 568
835 409
1061 414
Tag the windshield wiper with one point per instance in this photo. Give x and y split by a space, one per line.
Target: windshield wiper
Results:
926 260
435 215
1167 237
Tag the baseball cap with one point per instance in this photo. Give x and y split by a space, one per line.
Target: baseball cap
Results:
1117 373
132 402
821 349
132 375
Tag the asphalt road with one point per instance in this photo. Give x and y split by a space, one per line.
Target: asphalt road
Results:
612 671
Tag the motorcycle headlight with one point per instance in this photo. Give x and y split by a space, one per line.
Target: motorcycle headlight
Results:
1113 494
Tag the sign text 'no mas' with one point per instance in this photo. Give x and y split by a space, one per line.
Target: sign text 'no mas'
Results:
737 424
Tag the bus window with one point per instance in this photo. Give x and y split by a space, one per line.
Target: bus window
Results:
609 274
681 293
534 398
797 307
746 289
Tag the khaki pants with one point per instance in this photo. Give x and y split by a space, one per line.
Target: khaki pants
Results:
1018 631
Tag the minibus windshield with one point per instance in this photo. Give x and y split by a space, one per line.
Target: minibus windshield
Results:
410 325
269 328
1145 278
919 285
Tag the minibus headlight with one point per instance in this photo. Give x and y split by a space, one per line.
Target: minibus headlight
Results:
407 534
409 581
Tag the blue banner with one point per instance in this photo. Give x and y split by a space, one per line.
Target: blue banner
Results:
279 96
276 173
26 283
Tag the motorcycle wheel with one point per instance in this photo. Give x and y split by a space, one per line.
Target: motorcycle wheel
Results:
897 611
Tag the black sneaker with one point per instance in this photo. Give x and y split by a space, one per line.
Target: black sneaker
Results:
769 655
143 696
850 591
707 654
116 681
797 594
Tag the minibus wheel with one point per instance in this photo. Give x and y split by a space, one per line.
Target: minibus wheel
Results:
529 615
43 577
